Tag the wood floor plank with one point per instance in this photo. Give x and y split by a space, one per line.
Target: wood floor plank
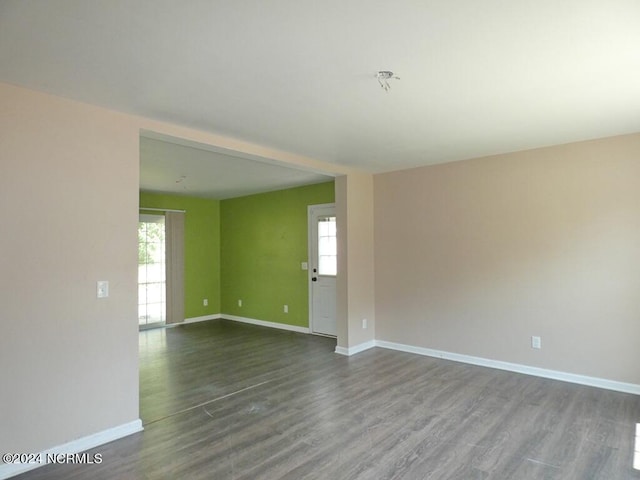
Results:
222 400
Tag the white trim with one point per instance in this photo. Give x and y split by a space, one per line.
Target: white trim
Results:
264 323
310 267
515 367
348 351
75 446
204 318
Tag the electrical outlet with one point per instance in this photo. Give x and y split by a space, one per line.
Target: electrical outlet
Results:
239 303
286 309
205 302
536 342
364 323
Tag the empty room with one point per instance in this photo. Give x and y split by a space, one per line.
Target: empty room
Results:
345 240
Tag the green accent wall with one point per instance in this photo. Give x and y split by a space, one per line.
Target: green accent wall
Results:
263 242
201 249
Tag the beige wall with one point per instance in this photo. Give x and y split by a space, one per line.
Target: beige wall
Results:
69 205
475 257
355 285
68 202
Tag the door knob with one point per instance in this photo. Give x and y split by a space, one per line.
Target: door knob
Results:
314 279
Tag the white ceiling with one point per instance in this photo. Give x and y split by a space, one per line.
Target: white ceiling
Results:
477 77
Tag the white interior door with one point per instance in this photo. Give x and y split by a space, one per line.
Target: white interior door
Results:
322 269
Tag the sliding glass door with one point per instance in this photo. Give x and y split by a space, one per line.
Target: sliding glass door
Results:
152 287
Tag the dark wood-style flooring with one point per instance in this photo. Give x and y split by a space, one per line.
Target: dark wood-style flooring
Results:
222 400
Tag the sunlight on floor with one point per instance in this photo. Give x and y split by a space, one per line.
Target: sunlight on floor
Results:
154 340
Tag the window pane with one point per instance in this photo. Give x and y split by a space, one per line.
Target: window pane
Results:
327 246
327 265
142 294
331 226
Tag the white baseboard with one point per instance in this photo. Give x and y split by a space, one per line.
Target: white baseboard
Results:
348 351
456 357
515 367
75 446
204 318
264 323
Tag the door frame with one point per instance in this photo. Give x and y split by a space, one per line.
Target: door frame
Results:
310 260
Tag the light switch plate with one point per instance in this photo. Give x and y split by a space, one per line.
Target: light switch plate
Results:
103 289
304 266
